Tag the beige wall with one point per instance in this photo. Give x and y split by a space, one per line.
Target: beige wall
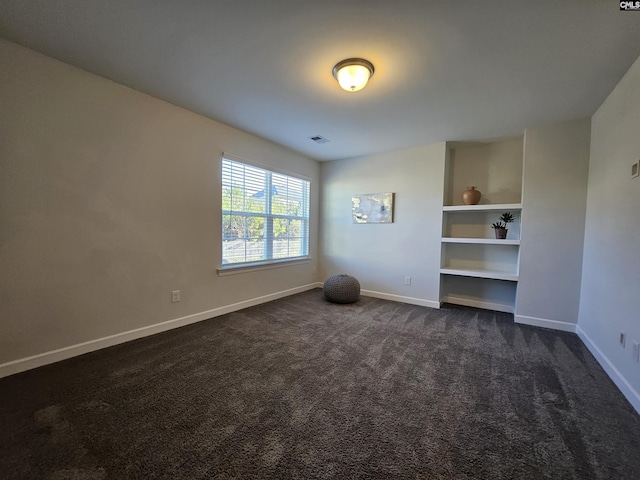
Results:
109 200
381 255
610 296
556 168
495 168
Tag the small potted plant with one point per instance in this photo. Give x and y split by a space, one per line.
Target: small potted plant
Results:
501 226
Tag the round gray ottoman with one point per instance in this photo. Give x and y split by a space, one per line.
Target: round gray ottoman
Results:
341 288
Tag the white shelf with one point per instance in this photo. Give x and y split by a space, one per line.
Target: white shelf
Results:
512 277
482 208
483 241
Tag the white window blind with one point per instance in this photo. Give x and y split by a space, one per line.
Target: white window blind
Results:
265 215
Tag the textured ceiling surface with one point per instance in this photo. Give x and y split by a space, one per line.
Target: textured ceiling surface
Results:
445 70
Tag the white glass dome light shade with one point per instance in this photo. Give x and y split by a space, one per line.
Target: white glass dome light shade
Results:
353 77
353 74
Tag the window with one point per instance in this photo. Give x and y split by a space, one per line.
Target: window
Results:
265 215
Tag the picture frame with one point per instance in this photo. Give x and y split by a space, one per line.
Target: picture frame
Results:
372 207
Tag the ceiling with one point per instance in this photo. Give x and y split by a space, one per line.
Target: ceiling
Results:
445 70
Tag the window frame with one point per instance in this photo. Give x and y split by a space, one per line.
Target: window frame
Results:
265 263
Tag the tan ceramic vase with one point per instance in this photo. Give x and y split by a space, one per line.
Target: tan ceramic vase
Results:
471 196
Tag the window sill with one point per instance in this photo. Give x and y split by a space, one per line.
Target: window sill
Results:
234 269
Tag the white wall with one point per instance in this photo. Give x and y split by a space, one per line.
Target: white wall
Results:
610 299
556 164
109 200
381 255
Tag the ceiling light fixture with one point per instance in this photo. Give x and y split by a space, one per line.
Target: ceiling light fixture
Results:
353 73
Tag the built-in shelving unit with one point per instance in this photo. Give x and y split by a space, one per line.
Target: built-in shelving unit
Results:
476 268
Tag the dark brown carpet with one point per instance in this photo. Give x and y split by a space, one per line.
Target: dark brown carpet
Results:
302 389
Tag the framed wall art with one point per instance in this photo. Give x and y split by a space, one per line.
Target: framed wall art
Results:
372 208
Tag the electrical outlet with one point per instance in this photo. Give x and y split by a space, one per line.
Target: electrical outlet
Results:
623 339
407 280
175 296
635 170
636 351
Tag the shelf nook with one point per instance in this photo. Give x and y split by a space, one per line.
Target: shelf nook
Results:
476 268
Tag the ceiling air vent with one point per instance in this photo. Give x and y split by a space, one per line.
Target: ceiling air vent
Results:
319 139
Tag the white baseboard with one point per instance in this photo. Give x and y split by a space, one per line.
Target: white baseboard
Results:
467 302
400 298
625 387
23 364
546 323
